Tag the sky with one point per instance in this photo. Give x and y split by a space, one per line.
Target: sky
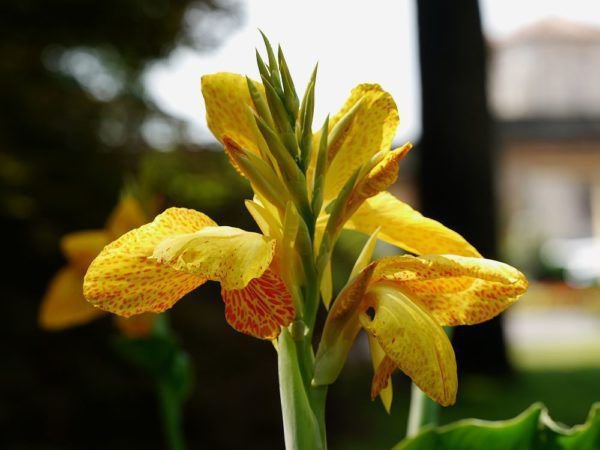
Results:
353 41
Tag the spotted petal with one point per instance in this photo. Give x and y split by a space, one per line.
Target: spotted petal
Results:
455 290
372 129
412 341
64 306
406 228
261 308
227 101
125 281
229 255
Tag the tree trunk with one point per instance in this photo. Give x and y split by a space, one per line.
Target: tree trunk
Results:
456 166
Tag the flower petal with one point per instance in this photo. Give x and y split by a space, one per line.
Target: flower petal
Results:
261 308
64 306
227 101
383 366
127 215
81 247
229 255
414 342
372 129
455 290
381 176
406 228
125 281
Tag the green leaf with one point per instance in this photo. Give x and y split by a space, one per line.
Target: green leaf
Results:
531 430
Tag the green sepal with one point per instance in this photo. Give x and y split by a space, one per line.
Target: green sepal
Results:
337 210
295 179
308 110
531 430
339 131
262 67
320 172
289 90
273 67
281 119
262 108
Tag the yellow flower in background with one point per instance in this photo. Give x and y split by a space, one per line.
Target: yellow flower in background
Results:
64 305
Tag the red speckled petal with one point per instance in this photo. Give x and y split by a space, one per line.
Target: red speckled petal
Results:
261 308
455 290
413 341
123 280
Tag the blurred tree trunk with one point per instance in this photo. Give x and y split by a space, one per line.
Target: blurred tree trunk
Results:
456 166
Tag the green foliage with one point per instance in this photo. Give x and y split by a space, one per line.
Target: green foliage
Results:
160 356
531 430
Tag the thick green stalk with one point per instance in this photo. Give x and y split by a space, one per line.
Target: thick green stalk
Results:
301 425
170 409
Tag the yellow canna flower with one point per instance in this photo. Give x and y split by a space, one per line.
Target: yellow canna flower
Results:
64 305
367 136
151 267
402 302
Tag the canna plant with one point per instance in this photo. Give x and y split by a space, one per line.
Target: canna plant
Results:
309 186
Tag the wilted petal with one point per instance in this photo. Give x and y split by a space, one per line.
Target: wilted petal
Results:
413 341
64 306
406 228
225 254
261 308
455 290
372 129
125 281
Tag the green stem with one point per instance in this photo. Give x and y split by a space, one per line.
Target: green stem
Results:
301 425
423 411
170 409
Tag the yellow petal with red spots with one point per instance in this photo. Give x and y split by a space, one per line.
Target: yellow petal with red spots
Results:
227 100
64 306
383 366
406 228
413 341
127 215
124 280
225 254
81 247
261 308
455 290
380 177
371 130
